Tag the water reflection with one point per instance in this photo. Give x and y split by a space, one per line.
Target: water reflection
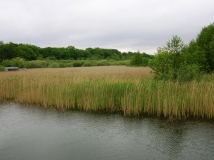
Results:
30 132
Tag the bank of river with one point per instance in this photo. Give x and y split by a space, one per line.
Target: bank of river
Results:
30 132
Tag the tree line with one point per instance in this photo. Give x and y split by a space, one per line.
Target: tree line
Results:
30 52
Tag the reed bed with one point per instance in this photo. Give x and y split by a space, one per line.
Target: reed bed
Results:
127 90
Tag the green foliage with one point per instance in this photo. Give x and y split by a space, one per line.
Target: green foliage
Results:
189 72
166 62
145 61
2 69
37 64
51 58
26 51
65 63
78 63
89 63
19 62
7 63
136 60
162 66
195 55
205 42
62 65
125 63
1 51
103 63
54 65
174 47
31 52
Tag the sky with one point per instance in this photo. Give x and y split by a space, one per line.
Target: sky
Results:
126 25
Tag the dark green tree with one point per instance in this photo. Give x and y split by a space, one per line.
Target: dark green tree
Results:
136 59
195 55
205 41
162 65
1 51
170 62
174 47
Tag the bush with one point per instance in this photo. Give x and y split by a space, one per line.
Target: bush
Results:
69 64
103 63
62 65
53 65
78 63
125 63
162 67
7 63
189 72
136 60
168 63
2 69
18 62
51 58
37 64
89 63
145 61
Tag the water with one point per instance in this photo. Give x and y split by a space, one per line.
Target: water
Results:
30 132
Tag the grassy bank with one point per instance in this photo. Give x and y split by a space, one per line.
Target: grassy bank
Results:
128 90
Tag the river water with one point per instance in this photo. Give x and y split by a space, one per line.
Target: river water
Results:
31 132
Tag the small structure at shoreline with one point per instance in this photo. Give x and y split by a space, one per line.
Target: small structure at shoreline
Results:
7 69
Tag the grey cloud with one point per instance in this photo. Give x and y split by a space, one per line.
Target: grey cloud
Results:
122 24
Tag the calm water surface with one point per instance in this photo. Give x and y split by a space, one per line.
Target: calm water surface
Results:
30 132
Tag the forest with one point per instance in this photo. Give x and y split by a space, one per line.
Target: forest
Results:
31 52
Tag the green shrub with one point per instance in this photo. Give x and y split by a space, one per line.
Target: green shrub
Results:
168 63
103 63
7 63
18 62
78 63
51 58
37 64
62 65
189 72
145 61
69 64
162 66
2 69
89 63
53 65
136 60
123 63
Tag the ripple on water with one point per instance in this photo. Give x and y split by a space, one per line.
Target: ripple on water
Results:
30 132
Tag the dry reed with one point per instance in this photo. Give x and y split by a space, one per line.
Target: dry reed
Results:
128 90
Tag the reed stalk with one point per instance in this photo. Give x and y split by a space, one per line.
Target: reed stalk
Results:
127 90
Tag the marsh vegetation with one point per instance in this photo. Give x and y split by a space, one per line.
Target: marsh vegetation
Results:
127 90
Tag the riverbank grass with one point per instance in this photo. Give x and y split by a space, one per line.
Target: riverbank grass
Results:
128 90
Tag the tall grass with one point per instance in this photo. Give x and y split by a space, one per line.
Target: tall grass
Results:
128 90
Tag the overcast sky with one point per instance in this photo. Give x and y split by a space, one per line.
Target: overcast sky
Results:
126 25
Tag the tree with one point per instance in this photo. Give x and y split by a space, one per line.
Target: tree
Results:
205 41
162 65
10 50
172 62
195 55
1 51
174 48
27 51
136 59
